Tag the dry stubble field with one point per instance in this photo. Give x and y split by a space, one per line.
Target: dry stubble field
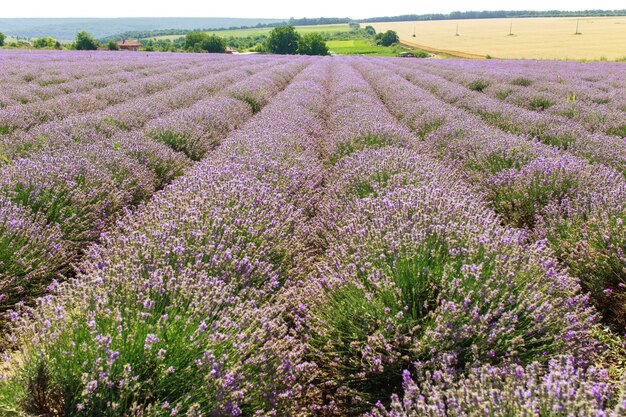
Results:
540 38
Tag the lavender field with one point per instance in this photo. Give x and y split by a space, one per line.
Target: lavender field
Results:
224 235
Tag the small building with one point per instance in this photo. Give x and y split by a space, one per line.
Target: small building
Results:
127 45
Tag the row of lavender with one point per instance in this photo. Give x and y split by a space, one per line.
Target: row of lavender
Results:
114 96
578 206
321 261
591 95
187 280
417 274
40 76
550 129
67 181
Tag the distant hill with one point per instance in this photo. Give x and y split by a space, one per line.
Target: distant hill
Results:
65 29
138 34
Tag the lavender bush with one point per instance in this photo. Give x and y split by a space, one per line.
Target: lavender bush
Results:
563 389
30 253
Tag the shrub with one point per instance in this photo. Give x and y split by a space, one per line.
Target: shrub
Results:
369 140
563 140
259 47
521 196
193 40
198 130
203 42
541 103
46 42
491 161
521 81
31 253
283 40
478 85
353 25
85 42
69 191
563 388
213 44
593 247
134 181
113 46
503 94
2 38
312 44
618 131
165 163
387 38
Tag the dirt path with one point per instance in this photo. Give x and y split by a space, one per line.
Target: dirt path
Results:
456 54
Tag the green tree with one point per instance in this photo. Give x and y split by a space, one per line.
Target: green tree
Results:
388 38
203 42
45 42
370 30
113 46
85 42
194 40
354 25
213 43
283 40
2 38
312 44
259 47
163 45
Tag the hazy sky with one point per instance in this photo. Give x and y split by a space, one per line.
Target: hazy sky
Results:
276 9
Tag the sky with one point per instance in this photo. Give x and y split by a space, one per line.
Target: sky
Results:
277 9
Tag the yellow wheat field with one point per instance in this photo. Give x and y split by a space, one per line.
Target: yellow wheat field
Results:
533 38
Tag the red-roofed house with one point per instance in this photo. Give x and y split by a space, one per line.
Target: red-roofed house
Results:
127 45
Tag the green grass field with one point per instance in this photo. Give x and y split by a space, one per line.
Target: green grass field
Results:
362 47
242 33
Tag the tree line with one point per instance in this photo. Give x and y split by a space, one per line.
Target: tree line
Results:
83 41
143 34
280 40
495 14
